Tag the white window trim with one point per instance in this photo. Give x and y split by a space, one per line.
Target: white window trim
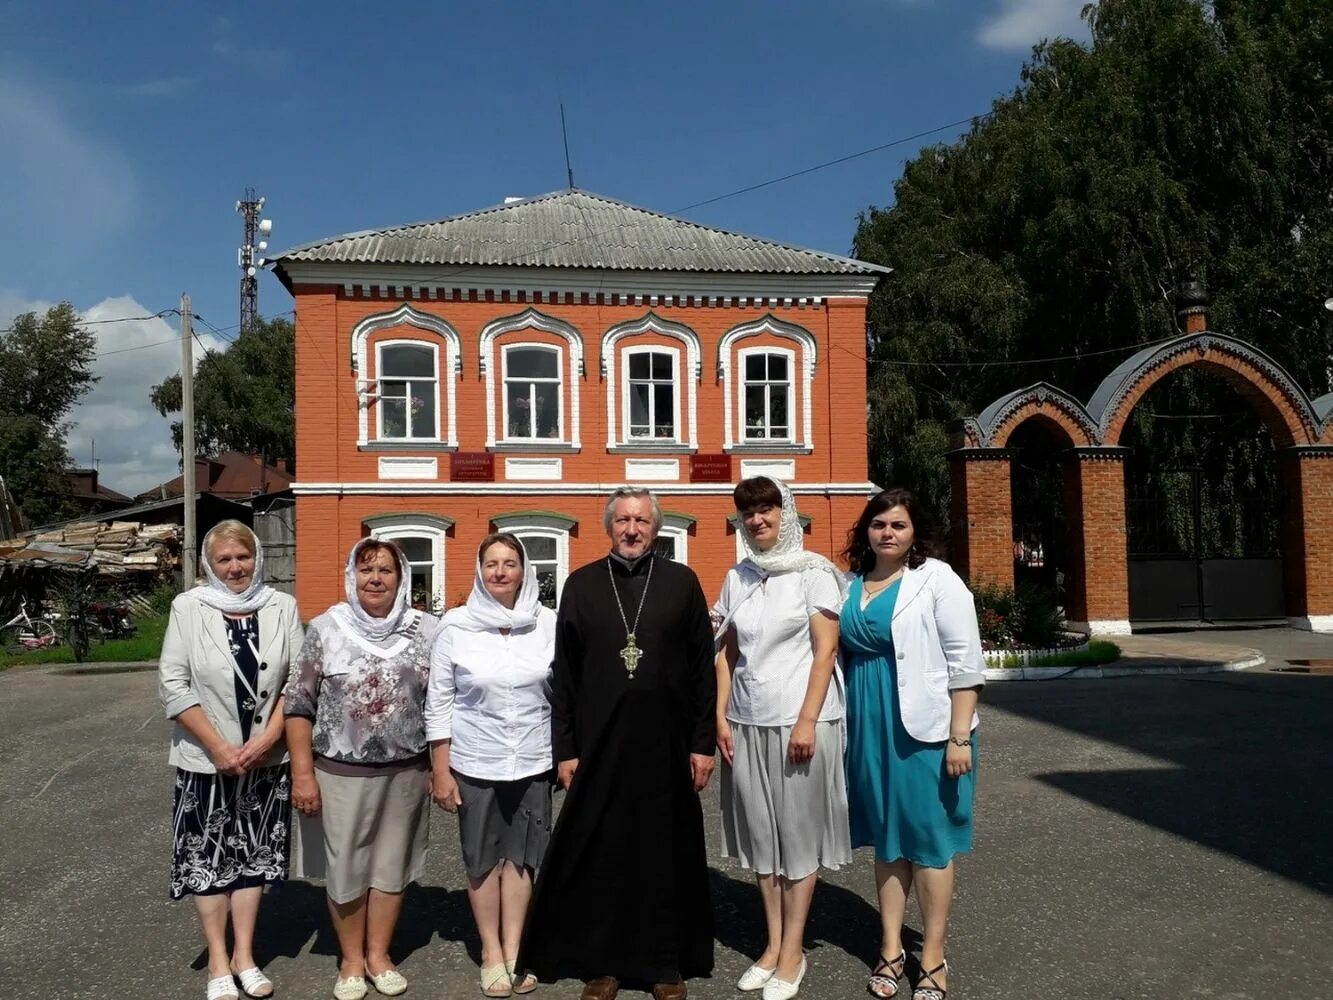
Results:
617 428
405 315
523 526
379 379
559 384
725 351
678 529
531 319
402 528
626 354
742 382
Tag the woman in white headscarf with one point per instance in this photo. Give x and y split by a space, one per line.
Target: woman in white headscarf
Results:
780 724
488 718
356 728
223 665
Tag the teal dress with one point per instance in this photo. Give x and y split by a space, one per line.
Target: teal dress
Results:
901 800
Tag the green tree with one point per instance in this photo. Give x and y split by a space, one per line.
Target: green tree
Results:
1189 137
45 368
244 396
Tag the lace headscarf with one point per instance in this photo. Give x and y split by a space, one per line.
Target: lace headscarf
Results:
483 612
217 595
356 619
787 554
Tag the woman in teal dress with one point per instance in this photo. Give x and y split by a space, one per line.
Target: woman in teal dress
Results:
912 655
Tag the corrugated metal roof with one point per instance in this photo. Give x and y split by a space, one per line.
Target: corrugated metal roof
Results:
574 229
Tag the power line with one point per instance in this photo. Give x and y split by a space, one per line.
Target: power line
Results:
102 322
464 269
1006 364
834 162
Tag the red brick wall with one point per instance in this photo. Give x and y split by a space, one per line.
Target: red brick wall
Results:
1105 583
983 536
1308 532
327 417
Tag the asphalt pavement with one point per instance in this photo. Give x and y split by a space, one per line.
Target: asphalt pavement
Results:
1137 837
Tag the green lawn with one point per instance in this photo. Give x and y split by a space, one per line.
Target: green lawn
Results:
146 645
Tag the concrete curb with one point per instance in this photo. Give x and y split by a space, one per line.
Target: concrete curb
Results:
1127 668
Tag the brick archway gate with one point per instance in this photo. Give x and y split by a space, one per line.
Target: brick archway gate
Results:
1094 476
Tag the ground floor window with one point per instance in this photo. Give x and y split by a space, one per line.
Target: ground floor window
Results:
422 539
545 538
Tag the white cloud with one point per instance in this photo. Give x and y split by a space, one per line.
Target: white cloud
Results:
63 188
1023 23
134 449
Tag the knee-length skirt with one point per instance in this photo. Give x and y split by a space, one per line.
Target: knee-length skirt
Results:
783 818
503 821
370 833
229 832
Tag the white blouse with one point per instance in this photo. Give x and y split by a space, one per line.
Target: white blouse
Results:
772 626
489 694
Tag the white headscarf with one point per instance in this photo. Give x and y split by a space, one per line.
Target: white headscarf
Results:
787 554
356 619
216 594
483 612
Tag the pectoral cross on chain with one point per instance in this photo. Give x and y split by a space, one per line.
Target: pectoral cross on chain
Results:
631 655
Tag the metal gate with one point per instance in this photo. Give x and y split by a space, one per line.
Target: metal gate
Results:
1180 571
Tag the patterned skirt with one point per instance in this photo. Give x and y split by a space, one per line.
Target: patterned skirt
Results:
230 832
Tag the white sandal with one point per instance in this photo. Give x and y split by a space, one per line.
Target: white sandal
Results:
252 980
351 988
222 988
389 983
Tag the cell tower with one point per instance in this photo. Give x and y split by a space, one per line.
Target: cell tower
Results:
249 257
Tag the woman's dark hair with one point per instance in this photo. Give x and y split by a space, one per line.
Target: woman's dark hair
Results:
757 491
858 554
502 538
371 547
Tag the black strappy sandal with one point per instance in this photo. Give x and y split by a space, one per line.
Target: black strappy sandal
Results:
934 991
888 983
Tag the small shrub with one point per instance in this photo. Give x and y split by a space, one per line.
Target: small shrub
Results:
1027 618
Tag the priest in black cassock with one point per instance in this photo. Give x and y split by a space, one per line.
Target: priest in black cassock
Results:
623 893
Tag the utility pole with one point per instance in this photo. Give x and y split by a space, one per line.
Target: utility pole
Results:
249 256
189 546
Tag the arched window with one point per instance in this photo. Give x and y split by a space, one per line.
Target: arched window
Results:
533 396
651 394
404 376
408 398
766 394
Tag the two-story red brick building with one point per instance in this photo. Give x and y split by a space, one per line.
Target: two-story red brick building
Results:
506 369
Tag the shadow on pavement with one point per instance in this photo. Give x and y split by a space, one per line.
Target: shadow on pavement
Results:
1251 755
838 917
295 912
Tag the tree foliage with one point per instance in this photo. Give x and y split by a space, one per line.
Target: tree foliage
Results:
45 368
244 396
1187 138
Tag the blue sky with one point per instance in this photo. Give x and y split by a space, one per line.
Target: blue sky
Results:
131 129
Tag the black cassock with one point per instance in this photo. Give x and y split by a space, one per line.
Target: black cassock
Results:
624 888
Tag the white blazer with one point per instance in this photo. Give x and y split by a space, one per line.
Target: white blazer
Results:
196 668
938 647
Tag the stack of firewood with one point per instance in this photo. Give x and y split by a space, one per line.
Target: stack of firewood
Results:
120 546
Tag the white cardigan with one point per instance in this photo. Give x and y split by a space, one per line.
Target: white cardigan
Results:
197 668
938 647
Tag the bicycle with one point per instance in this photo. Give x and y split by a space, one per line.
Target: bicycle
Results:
24 632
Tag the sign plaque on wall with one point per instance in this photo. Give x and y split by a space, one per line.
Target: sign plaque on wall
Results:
472 467
710 468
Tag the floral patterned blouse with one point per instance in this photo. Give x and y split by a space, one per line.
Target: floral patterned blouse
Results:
366 699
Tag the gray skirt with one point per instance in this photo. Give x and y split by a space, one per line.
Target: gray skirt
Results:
503 821
370 833
780 818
